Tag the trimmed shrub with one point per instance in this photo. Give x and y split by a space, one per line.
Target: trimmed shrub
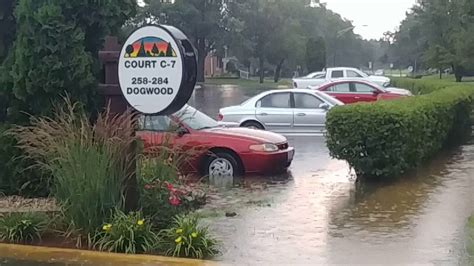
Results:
421 86
387 138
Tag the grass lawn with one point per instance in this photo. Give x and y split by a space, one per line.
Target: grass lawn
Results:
250 84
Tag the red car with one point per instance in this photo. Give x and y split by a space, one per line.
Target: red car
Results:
217 150
352 91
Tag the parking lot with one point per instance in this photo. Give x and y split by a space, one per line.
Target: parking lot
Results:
317 213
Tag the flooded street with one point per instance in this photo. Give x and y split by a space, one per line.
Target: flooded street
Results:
318 214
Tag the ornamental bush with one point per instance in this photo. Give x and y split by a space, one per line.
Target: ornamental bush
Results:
387 138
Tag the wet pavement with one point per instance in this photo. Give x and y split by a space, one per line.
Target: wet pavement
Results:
319 214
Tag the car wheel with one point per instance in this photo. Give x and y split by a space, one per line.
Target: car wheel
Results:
222 164
252 124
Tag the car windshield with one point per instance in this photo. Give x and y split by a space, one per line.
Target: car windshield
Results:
195 119
333 101
363 74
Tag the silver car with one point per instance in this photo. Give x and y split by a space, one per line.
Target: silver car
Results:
292 111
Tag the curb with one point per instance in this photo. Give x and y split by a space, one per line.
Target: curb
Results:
72 256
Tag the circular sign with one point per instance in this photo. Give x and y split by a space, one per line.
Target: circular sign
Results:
410 69
157 70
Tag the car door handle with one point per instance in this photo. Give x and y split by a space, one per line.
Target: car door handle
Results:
356 97
263 114
300 114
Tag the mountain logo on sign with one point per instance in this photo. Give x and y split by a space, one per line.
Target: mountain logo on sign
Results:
149 47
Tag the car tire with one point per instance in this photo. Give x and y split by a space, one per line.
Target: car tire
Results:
221 164
252 124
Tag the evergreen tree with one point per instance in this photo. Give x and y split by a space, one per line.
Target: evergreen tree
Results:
141 51
155 50
169 50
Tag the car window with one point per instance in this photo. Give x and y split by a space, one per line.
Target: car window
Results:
341 87
353 74
276 100
318 76
337 74
155 123
195 119
304 100
363 88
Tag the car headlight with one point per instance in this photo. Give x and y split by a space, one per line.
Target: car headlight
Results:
267 147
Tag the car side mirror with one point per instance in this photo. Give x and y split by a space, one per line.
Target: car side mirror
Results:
324 106
181 131
376 92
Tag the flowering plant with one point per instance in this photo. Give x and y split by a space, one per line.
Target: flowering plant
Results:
164 200
125 234
186 238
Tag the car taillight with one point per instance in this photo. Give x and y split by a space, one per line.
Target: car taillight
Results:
295 84
220 117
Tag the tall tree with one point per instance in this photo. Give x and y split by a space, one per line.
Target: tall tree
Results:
315 54
201 20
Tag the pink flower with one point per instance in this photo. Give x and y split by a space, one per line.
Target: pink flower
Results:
174 201
169 186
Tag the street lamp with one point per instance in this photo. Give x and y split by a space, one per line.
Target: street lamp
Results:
339 34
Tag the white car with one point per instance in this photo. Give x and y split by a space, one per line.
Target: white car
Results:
288 112
318 78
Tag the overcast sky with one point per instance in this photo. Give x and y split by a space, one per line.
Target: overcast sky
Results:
379 15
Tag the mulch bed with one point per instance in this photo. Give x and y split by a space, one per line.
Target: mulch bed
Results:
20 204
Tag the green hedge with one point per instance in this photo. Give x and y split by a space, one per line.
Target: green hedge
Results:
421 86
387 138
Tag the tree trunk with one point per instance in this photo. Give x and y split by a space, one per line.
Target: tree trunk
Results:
278 70
202 53
262 72
457 73
440 74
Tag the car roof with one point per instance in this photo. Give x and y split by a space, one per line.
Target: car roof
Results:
342 80
342 68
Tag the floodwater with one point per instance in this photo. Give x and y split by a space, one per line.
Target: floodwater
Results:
318 214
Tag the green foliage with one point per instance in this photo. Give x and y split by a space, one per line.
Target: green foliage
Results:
87 162
419 87
387 138
7 26
199 19
22 227
186 238
54 53
49 60
16 176
440 33
126 233
164 192
315 54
